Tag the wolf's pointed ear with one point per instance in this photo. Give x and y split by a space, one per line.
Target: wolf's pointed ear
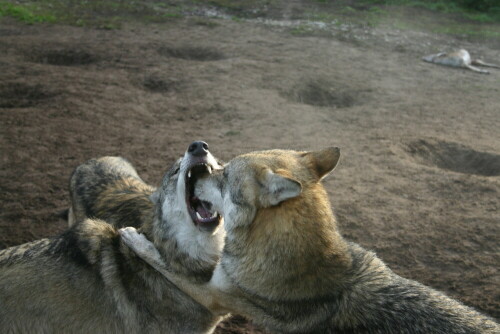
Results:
279 188
324 161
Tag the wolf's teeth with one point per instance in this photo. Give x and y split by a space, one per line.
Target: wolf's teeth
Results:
214 214
198 215
209 169
189 174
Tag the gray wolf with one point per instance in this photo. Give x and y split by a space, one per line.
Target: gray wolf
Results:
111 189
286 266
86 280
460 58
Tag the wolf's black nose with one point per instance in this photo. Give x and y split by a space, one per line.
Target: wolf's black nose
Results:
198 148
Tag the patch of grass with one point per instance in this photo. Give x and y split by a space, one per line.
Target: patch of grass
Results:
483 17
240 4
101 14
377 11
445 25
161 18
228 4
301 30
467 31
28 14
485 11
173 12
347 10
321 16
344 14
437 6
374 16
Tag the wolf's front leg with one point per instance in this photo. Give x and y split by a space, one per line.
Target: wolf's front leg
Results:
205 294
144 248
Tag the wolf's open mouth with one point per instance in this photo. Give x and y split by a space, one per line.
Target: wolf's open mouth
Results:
200 211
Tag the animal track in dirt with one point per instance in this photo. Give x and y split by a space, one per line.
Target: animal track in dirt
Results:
63 57
325 93
192 53
21 95
157 84
454 157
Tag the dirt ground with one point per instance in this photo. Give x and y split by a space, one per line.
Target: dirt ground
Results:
419 178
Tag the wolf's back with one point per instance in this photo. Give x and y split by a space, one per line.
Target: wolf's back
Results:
109 188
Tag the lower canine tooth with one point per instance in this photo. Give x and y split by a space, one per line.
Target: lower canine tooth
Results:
189 174
198 215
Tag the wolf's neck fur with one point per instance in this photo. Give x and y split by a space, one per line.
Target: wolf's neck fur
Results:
292 263
186 250
297 241
370 298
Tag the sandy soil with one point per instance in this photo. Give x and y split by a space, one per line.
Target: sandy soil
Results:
419 179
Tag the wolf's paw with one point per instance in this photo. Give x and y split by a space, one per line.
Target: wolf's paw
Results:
139 244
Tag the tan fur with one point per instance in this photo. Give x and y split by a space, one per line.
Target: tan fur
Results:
287 267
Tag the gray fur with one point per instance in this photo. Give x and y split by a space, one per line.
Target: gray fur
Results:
85 281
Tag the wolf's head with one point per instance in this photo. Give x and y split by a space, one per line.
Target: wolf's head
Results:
181 215
266 179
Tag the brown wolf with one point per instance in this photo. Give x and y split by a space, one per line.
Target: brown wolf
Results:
86 281
286 266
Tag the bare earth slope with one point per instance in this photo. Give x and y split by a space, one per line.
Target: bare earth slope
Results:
419 178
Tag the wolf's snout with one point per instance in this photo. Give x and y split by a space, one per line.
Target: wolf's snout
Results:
198 148
199 164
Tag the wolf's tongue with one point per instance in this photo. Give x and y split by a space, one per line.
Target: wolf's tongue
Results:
203 210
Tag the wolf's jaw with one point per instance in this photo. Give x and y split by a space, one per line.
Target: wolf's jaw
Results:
200 211
178 229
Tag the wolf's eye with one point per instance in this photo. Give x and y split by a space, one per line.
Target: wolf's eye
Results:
177 170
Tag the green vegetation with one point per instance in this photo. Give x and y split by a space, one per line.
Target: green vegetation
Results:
321 16
478 10
301 30
239 5
460 17
454 23
455 17
467 30
96 13
27 13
